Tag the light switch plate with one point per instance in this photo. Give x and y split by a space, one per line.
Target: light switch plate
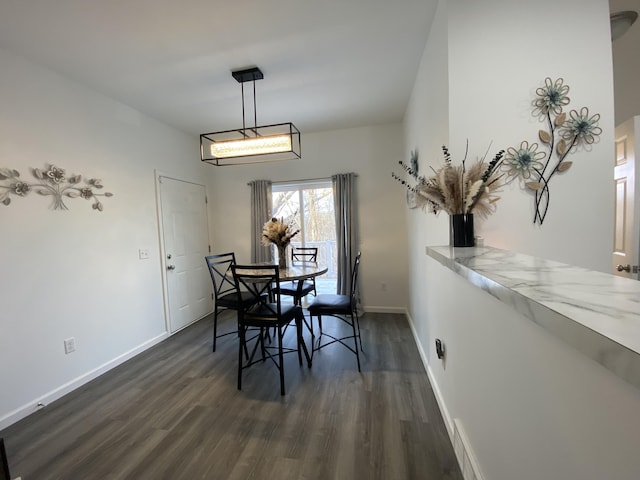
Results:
69 345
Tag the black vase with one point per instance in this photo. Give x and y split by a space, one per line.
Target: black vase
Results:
461 230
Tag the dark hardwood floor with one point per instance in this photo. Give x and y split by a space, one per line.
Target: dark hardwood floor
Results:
174 412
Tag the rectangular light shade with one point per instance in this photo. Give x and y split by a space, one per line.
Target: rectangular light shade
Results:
268 143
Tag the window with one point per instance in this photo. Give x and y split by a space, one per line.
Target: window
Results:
310 205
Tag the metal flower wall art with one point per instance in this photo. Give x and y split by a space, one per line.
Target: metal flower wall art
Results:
564 134
51 182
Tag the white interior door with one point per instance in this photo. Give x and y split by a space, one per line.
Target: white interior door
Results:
185 235
626 237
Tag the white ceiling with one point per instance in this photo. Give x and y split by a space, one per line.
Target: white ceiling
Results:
327 63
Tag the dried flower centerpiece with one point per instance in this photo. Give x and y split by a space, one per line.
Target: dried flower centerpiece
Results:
279 232
564 135
460 191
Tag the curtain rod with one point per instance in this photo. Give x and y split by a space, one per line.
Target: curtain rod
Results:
306 179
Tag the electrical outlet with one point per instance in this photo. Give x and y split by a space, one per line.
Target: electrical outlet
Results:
143 253
69 345
440 349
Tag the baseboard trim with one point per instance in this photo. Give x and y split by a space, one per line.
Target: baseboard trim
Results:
448 420
466 458
467 461
41 402
376 309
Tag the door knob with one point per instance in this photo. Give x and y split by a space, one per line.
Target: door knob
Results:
623 268
171 267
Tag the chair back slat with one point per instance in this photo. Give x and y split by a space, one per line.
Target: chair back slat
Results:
219 267
305 254
262 282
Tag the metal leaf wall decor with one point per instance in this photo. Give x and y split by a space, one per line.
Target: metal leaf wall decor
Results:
563 135
51 181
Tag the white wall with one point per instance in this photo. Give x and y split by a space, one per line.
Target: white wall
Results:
510 384
492 82
366 151
532 407
76 273
427 129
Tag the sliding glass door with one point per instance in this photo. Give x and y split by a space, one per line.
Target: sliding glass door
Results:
309 204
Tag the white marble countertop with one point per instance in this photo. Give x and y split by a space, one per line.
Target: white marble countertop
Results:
596 313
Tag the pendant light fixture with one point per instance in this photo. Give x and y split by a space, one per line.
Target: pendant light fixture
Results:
255 144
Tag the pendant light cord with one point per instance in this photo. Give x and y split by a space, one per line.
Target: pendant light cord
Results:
255 114
244 128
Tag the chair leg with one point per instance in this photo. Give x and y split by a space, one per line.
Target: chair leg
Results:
246 350
359 335
241 346
301 342
262 349
215 327
299 338
319 336
355 340
281 360
313 336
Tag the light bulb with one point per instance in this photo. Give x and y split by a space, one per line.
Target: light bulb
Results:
251 146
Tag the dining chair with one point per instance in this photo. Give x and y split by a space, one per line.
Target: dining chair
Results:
343 308
4 462
224 289
298 289
264 312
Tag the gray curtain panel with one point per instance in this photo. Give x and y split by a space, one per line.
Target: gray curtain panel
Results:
261 211
345 204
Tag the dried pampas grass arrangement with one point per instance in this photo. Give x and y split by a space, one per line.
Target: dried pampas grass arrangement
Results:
457 189
279 232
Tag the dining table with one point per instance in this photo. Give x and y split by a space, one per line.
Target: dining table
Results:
302 271
297 271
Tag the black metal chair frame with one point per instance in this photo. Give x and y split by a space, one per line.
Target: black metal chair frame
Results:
342 307
4 462
224 289
298 289
266 312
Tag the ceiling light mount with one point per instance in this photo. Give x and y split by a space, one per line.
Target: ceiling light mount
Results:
621 22
255 144
248 75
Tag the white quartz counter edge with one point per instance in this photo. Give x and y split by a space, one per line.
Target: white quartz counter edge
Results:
596 313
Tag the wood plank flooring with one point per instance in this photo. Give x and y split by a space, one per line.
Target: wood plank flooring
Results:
174 412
